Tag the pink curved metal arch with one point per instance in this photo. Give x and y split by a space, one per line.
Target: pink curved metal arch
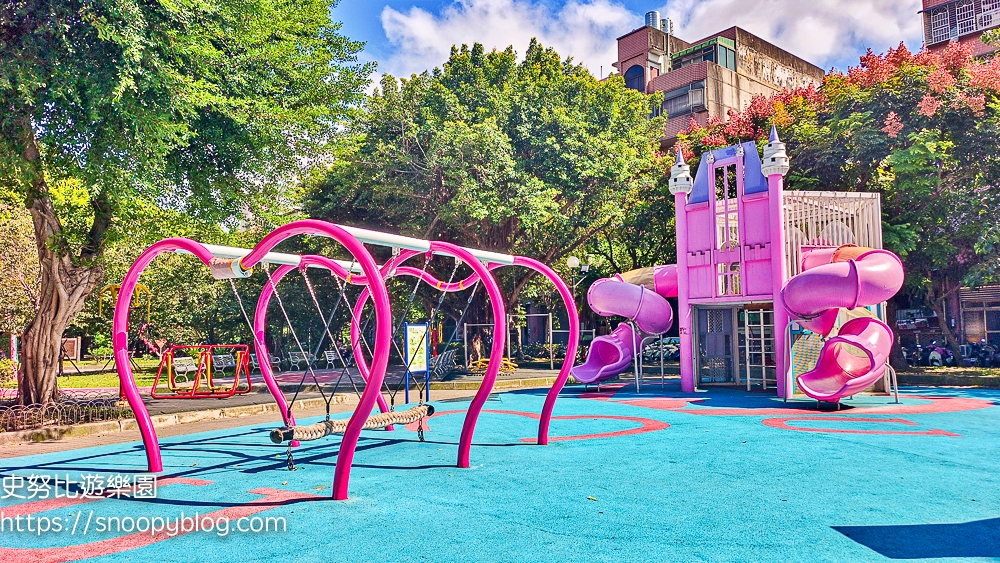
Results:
571 314
564 291
380 354
480 272
571 345
383 330
260 345
260 324
119 340
496 353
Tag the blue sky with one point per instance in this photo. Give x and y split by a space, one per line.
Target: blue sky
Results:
406 36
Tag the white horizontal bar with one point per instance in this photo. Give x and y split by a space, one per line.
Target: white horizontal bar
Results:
279 258
386 239
410 243
495 257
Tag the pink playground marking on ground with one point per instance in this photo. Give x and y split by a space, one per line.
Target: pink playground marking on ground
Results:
607 392
660 403
414 426
782 423
272 499
37 506
934 405
645 424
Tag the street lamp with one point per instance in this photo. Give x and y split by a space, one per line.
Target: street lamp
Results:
574 263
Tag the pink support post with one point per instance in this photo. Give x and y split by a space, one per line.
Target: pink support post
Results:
683 307
783 376
571 345
496 352
123 365
383 330
680 185
775 166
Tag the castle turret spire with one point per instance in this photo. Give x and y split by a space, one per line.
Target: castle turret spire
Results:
680 175
775 158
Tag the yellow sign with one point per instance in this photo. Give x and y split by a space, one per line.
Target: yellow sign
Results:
416 347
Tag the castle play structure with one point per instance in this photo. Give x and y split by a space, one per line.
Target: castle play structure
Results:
776 289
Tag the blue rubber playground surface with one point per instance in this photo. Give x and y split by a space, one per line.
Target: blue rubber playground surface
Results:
721 475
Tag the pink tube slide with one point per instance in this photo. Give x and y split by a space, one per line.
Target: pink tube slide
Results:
609 355
845 277
849 362
638 295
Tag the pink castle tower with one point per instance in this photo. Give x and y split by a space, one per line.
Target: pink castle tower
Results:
731 260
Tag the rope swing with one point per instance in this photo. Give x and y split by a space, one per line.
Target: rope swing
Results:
330 427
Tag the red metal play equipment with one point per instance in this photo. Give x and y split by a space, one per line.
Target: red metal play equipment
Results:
202 359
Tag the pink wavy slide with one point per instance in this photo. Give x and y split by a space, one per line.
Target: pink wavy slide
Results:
638 295
844 277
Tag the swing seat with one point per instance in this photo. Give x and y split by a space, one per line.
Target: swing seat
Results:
176 372
481 365
339 426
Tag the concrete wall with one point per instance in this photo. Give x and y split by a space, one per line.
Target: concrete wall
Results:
767 64
727 90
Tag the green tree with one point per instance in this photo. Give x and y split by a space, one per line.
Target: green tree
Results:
532 158
201 106
19 264
923 131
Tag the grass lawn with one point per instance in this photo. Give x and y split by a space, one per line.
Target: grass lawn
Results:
104 379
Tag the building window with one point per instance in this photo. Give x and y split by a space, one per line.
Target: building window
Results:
684 100
990 16
940 25
965 15
635 78
727 57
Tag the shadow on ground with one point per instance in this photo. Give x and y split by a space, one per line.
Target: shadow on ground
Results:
979 538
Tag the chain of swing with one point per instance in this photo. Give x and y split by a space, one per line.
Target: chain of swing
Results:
345 364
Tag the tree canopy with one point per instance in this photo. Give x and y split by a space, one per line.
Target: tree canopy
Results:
532 157
208 108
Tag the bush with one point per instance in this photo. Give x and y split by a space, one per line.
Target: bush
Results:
8 371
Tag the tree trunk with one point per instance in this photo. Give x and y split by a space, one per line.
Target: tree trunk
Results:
63 287
896 358
63 284
937 297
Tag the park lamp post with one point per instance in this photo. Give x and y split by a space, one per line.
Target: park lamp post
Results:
574 264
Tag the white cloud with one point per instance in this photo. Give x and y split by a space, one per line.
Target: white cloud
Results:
583 29
824 32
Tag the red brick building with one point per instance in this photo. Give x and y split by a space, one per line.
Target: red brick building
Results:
959 20
706 77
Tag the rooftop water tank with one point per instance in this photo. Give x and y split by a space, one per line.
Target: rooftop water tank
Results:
653 19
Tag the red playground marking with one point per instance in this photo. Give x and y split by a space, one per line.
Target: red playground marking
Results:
413 426
660 403
34 507
607 391
934 405
645 424
272 499
782 423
